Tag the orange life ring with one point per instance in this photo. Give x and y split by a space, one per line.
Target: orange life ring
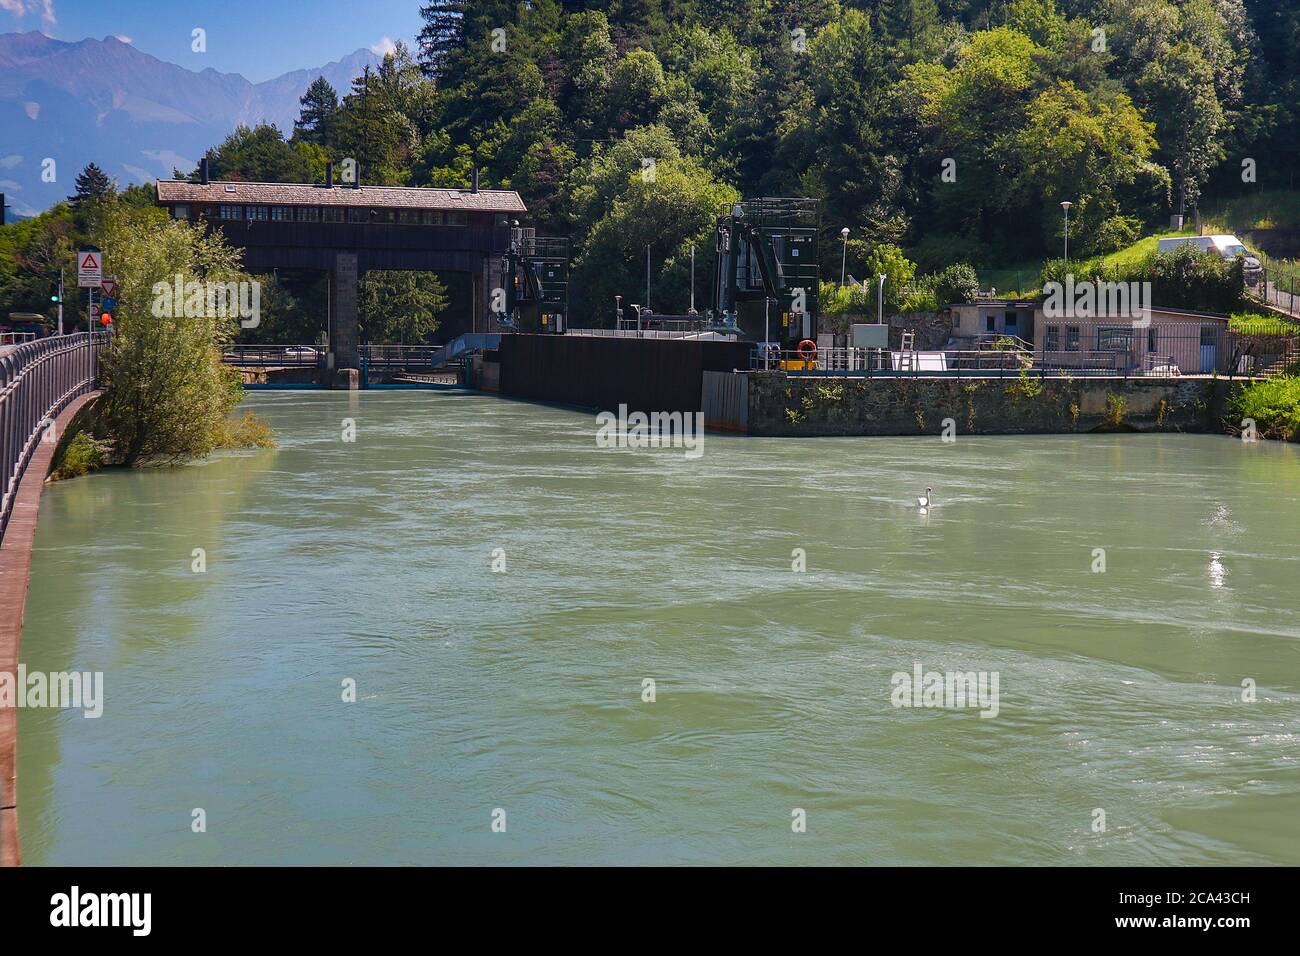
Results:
808 350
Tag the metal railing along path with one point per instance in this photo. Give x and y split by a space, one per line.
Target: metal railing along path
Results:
274 356
36 380
1147 353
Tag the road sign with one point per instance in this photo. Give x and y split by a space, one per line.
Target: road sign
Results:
110 304
90 268
108 285
94 309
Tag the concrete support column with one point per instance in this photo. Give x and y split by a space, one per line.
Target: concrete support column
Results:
343 311
494 281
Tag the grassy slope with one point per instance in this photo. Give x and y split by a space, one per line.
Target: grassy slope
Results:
1267 209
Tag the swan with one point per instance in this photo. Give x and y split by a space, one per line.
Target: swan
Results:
924 500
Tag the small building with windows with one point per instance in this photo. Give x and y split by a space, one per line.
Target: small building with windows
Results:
985 319
1168 341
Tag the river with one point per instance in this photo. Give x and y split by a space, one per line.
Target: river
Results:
520 696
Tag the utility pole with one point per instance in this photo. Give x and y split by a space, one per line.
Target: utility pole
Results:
647 275
1066 206
60 300
692 280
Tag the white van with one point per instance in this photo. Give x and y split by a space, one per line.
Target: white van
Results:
1225 247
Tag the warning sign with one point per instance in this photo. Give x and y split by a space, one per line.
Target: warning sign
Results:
90 268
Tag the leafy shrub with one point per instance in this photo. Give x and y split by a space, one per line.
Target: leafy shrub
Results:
835 299
1116 233
1274 404
919 298
955 283
82 455
1116 407
1190 279
1184 279
247 432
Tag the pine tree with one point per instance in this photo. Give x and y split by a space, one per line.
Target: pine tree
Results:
442 34
92 184
319 105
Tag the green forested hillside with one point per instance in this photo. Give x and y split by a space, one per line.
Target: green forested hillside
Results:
1127 108
948 129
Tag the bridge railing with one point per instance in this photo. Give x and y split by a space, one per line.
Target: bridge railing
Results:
399 356
36 380
276 356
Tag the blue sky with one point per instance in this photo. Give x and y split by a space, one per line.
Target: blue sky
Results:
258 38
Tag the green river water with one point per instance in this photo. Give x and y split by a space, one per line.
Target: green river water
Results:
522 691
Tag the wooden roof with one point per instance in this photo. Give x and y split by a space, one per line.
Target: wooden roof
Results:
308 194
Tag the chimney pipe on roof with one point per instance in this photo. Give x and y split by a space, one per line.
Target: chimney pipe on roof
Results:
203 170
473 182
329 173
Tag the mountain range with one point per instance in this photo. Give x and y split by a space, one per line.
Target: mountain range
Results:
136 116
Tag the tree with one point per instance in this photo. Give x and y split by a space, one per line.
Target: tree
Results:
371 129
400 307
320 104
890 261
442 35
669 213
261 155
92 185
955 283
166 393
1179 94
1071 147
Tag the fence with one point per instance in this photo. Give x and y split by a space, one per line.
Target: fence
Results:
36 380
1003 282
275 356
1063 351
1280 288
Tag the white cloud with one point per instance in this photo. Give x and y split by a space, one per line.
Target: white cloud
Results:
386 45
20 9
122 39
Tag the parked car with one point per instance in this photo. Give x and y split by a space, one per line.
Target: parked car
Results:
1225 247
301 352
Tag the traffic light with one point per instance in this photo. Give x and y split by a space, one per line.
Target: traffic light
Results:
54 297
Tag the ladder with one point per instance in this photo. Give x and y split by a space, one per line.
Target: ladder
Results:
907 356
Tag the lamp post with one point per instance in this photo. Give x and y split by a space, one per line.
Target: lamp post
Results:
844 254
880 299
1066 206
692 280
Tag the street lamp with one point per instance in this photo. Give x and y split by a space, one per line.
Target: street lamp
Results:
880 299
1066 206
844 234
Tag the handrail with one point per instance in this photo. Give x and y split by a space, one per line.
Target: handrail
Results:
37 379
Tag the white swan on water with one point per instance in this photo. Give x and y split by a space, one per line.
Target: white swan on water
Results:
924 500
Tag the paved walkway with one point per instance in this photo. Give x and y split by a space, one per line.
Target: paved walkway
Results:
15 571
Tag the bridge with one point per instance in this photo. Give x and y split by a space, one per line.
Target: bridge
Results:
415 359
37 380
346 230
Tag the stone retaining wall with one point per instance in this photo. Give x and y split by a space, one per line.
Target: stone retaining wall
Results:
798 406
